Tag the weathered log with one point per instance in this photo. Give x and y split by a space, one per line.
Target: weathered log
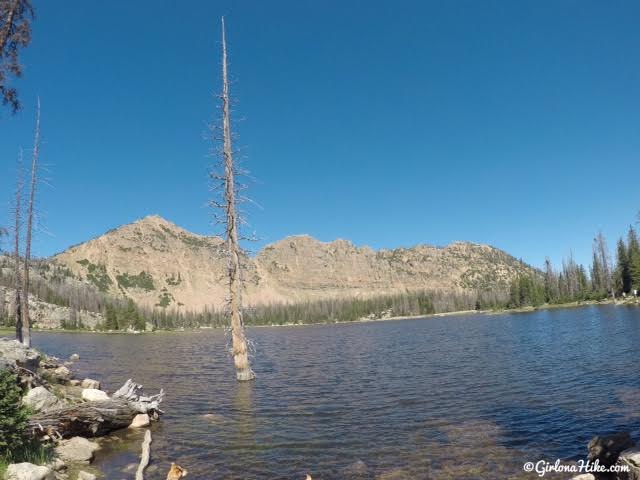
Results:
146 453
96 418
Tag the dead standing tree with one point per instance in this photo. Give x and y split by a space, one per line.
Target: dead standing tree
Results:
26 321
17 308
230 219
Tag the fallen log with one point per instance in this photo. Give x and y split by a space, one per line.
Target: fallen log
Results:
97 418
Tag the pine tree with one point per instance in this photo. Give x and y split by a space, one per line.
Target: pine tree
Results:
622 277
110 318
633 249
551 287
13 414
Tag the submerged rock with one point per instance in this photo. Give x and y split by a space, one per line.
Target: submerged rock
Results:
94 395
86 476
77 449
607 448
357 470
28 471
40 399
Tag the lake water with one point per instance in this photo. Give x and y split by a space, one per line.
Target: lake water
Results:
460 397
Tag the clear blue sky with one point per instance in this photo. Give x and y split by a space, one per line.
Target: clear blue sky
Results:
514 123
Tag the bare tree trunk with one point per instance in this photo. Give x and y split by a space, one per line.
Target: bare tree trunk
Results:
239 341
26 321
17 310
145 457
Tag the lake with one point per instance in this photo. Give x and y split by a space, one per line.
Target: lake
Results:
460 397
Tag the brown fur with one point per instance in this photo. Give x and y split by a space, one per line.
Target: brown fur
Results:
176 472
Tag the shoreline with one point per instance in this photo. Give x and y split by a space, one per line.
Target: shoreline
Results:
578 304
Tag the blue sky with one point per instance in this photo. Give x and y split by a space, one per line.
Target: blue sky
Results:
514 123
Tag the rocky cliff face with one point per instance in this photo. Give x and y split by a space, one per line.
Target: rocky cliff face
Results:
159 264
49 316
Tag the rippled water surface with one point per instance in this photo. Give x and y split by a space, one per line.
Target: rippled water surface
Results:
460 397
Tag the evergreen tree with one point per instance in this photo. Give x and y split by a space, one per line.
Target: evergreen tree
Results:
13 415
633 255
110 318
551 287
622 276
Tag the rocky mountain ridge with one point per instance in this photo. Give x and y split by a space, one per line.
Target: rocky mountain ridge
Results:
158 264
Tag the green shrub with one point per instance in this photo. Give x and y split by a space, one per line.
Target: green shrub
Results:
13 415
143 281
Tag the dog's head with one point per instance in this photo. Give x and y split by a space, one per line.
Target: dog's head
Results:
176 472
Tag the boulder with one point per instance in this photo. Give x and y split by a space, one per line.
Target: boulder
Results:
607 448
90 383
75 383
94 395
74 357
56 465
28 471
40 399
14 352
86 476
140 420
630 459
76 449
61 373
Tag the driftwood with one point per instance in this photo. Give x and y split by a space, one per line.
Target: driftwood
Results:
97 418
146 453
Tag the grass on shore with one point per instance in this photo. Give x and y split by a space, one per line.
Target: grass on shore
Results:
33 452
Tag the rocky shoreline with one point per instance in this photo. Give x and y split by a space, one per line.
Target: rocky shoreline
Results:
71 417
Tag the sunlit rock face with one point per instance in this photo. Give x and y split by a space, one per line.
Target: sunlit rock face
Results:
159 264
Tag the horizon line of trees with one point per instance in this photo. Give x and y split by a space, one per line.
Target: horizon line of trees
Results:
573 282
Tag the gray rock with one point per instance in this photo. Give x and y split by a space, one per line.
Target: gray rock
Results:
28 471
631 460
74 357
140 420
86 476
40 399
76 449
607 448
94 395
61 373
90 383
14 352
56 465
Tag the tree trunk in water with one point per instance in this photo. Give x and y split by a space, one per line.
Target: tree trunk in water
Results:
26 321
239 341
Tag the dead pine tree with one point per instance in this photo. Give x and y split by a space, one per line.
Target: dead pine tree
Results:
230 218
26 321
17 308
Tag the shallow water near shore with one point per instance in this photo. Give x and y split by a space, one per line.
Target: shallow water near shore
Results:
464 397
